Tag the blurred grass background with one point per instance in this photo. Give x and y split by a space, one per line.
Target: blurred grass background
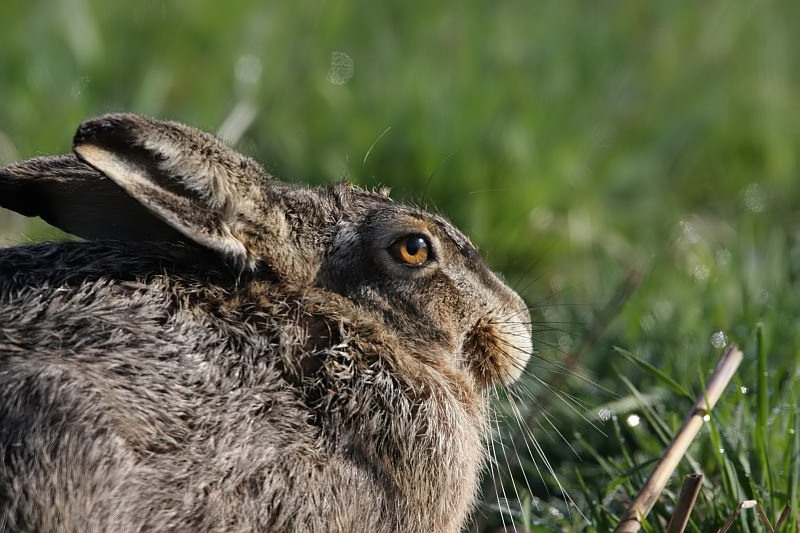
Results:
574 141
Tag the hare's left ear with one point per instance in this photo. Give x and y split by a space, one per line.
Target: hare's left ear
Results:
75 197
187 178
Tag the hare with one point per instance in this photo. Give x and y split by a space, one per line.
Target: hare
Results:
227 352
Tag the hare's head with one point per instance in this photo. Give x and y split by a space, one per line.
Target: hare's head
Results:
135 178
428 282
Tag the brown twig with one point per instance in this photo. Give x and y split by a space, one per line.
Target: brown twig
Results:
784 515
641 506
685 503
747 504
762 516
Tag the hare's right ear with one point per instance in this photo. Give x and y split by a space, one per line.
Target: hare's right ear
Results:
186 177
136 178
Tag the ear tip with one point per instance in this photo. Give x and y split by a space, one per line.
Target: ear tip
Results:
103 130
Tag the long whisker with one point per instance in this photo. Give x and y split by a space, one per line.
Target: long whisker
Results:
497 487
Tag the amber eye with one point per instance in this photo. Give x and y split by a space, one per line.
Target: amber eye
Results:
412 251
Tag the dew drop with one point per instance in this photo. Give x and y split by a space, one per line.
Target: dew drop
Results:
764 297
647 322
633 420
604 414
341 68
753 198
700 273
663 309
690 232
723 257
541 218
719 339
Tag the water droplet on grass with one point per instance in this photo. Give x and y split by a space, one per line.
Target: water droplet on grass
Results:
690 232
700 273
754 198
341 68
719 339
723 257
541 218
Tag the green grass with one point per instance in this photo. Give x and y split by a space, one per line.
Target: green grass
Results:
573 141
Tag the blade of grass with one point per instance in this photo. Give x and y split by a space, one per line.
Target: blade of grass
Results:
658 425
793 466
762 416
656 422
667 381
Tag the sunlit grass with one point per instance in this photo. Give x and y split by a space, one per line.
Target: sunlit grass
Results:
575 142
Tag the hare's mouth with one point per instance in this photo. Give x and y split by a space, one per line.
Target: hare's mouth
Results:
498 347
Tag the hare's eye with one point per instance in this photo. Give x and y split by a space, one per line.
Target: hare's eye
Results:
412 251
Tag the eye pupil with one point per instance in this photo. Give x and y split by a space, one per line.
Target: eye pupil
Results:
412 251
414 245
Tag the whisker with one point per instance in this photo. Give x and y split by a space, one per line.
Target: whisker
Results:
551 365
529 436
530 268
530 439
498 487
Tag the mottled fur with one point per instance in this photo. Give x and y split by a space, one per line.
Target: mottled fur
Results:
247 355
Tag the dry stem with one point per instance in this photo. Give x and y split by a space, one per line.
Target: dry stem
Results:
685 504
647 497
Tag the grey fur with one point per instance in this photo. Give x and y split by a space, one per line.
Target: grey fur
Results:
228 352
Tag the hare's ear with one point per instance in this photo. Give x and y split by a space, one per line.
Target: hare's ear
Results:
71 195
187 178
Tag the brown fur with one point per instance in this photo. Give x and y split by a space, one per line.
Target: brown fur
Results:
243 354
